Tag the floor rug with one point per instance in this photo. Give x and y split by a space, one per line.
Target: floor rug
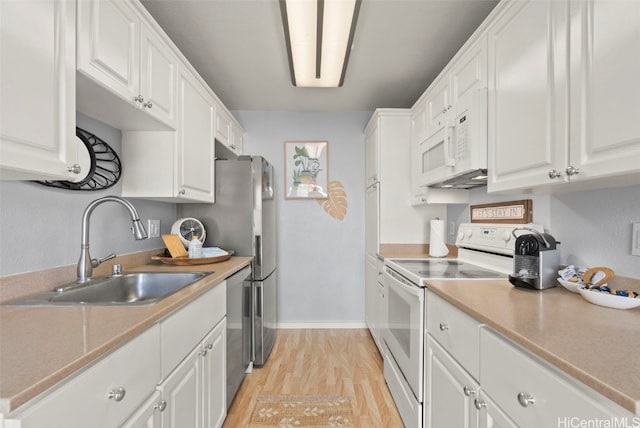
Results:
289 411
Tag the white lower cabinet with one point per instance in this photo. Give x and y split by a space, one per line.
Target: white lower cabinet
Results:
451 391
475 377
171 376
103 395
194 393
149 414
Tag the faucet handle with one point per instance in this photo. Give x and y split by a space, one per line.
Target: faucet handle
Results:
96 263
116 269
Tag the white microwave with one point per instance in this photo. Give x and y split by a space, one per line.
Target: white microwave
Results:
454 154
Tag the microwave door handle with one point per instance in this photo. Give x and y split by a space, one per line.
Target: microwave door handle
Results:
449 156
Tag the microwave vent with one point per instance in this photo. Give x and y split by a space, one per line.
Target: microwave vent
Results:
468 180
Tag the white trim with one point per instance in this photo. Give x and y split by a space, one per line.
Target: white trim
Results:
315 325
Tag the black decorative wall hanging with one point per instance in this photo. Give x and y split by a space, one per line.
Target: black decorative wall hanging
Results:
105 169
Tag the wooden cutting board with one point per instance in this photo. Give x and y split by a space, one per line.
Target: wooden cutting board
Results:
174 245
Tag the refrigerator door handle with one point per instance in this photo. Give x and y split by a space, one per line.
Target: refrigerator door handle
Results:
258 250
259 299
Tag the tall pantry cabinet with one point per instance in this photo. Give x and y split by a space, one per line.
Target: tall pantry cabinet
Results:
390 217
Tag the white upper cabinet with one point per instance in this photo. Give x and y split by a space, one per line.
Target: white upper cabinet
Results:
175 166
605 94
37 106
127 73
563 98
196 141
528 134
228 132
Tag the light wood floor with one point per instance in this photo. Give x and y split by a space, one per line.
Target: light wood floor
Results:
341 362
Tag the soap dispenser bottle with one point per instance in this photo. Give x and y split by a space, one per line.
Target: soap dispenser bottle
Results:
195 248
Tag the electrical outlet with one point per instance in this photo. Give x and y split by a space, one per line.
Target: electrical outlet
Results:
635 240
452 228
153 228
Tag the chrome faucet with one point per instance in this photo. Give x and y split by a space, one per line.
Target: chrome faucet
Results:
86 263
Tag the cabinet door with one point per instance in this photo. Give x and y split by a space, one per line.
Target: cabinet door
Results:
418 130
158 73
527 102
372 153
237 139
148 414
37 65
438 104
195 169
370 297
490 415
109 45
371 221
214 383
182 391
450 390
605 95
223 126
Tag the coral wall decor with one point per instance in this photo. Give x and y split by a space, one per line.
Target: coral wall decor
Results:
336 203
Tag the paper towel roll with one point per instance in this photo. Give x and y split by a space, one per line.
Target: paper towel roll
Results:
437 245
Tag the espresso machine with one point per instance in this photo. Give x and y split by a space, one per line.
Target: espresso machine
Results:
536 260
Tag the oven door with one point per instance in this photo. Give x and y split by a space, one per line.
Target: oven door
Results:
403 330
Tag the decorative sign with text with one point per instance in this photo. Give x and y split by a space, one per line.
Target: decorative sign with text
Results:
503 212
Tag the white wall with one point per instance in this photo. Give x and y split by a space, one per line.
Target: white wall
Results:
594 227
320 259
49 219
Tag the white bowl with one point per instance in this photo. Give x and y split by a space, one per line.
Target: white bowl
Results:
609 300
571 286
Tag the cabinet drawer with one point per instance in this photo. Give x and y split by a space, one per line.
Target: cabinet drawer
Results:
184 329
456 331
83 401
507 370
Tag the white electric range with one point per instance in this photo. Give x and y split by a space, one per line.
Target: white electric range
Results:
485 252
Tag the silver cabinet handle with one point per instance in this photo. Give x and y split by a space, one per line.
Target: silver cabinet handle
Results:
209 346
138 99
160 406
443 327
479 404
203 353
572 170
554 174
117 394
525 399
444 110
75 168
468 391
182 192
147 104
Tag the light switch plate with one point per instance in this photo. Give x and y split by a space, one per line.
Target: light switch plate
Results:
153 228
635 240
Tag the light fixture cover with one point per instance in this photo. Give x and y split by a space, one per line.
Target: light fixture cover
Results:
306 22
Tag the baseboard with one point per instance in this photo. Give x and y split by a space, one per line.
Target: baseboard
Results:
318 325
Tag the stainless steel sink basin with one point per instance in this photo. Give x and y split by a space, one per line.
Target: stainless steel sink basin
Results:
137 288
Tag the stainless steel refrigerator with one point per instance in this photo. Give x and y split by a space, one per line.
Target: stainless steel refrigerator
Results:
243 219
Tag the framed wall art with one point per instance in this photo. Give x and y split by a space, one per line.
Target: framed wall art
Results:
306 169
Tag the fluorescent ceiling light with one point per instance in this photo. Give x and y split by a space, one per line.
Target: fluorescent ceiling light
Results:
319 34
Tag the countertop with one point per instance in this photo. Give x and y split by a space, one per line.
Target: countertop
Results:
41 346
598 346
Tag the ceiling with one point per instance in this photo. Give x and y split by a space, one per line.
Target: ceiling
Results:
399 47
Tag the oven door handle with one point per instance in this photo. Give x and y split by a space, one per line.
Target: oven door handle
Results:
405 284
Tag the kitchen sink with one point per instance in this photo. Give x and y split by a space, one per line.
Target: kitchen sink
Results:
137 288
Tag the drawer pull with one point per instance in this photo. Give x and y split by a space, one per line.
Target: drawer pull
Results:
468 391
203 353
209 346
479 404
443 327
525 399
160 406
117 394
